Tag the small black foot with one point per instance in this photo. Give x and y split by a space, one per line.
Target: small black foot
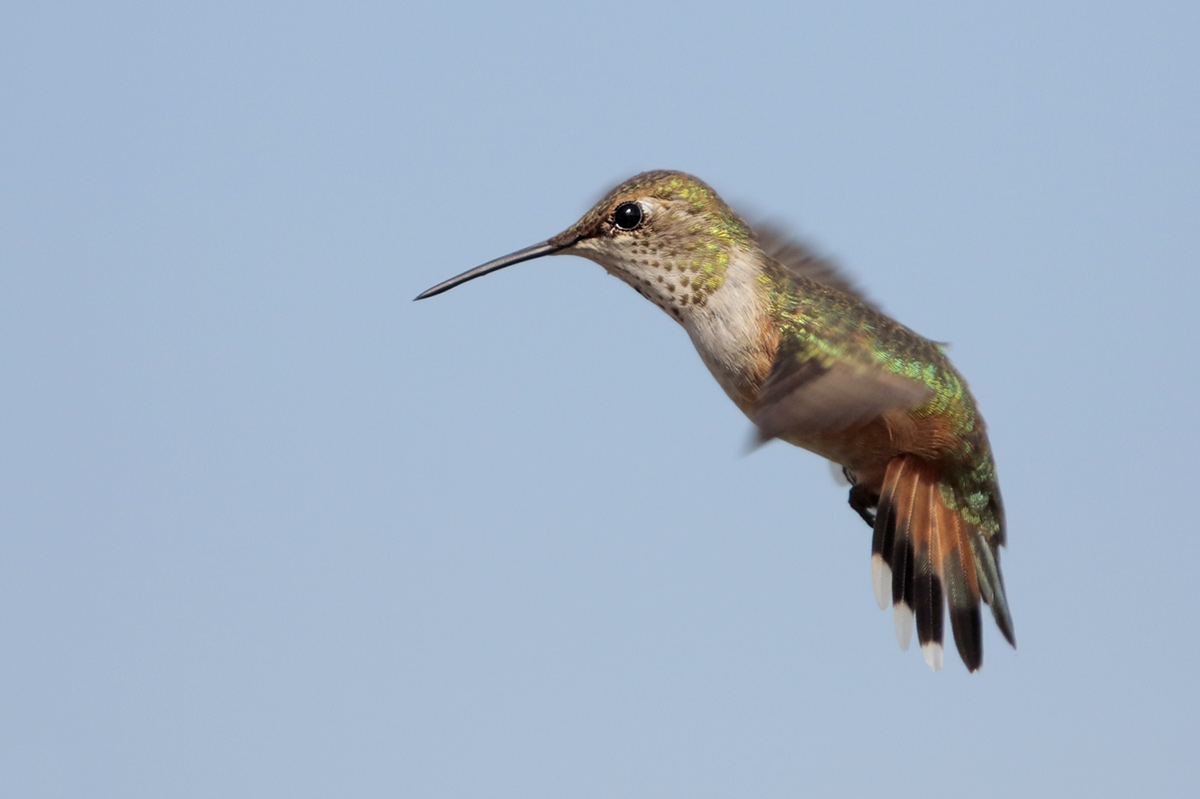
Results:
864 501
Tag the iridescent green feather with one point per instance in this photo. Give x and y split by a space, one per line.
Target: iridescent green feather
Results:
830 326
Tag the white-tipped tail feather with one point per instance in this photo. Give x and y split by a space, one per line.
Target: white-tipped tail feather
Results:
902 614
881 578
933 653
927 556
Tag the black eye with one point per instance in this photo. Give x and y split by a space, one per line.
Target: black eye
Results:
628 216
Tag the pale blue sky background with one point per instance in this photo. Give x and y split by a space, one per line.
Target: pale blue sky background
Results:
272 529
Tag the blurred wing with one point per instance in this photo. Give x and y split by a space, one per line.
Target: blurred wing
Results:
798 259
803 395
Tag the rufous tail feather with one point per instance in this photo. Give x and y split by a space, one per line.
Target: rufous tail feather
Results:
933 557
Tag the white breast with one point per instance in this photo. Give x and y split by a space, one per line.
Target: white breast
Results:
727 330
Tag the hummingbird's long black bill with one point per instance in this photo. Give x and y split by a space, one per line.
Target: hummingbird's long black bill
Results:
528 254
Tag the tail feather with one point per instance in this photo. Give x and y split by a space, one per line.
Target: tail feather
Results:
991 584
927 579
962 585
903 564
934 557
883 542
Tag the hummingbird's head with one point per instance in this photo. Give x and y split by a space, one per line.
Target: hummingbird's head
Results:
666 234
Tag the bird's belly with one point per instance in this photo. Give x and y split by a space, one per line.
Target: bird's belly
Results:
865 449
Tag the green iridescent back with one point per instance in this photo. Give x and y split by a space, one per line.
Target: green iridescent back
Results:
830 324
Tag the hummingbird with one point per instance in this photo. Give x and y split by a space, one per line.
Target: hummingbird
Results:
812 362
